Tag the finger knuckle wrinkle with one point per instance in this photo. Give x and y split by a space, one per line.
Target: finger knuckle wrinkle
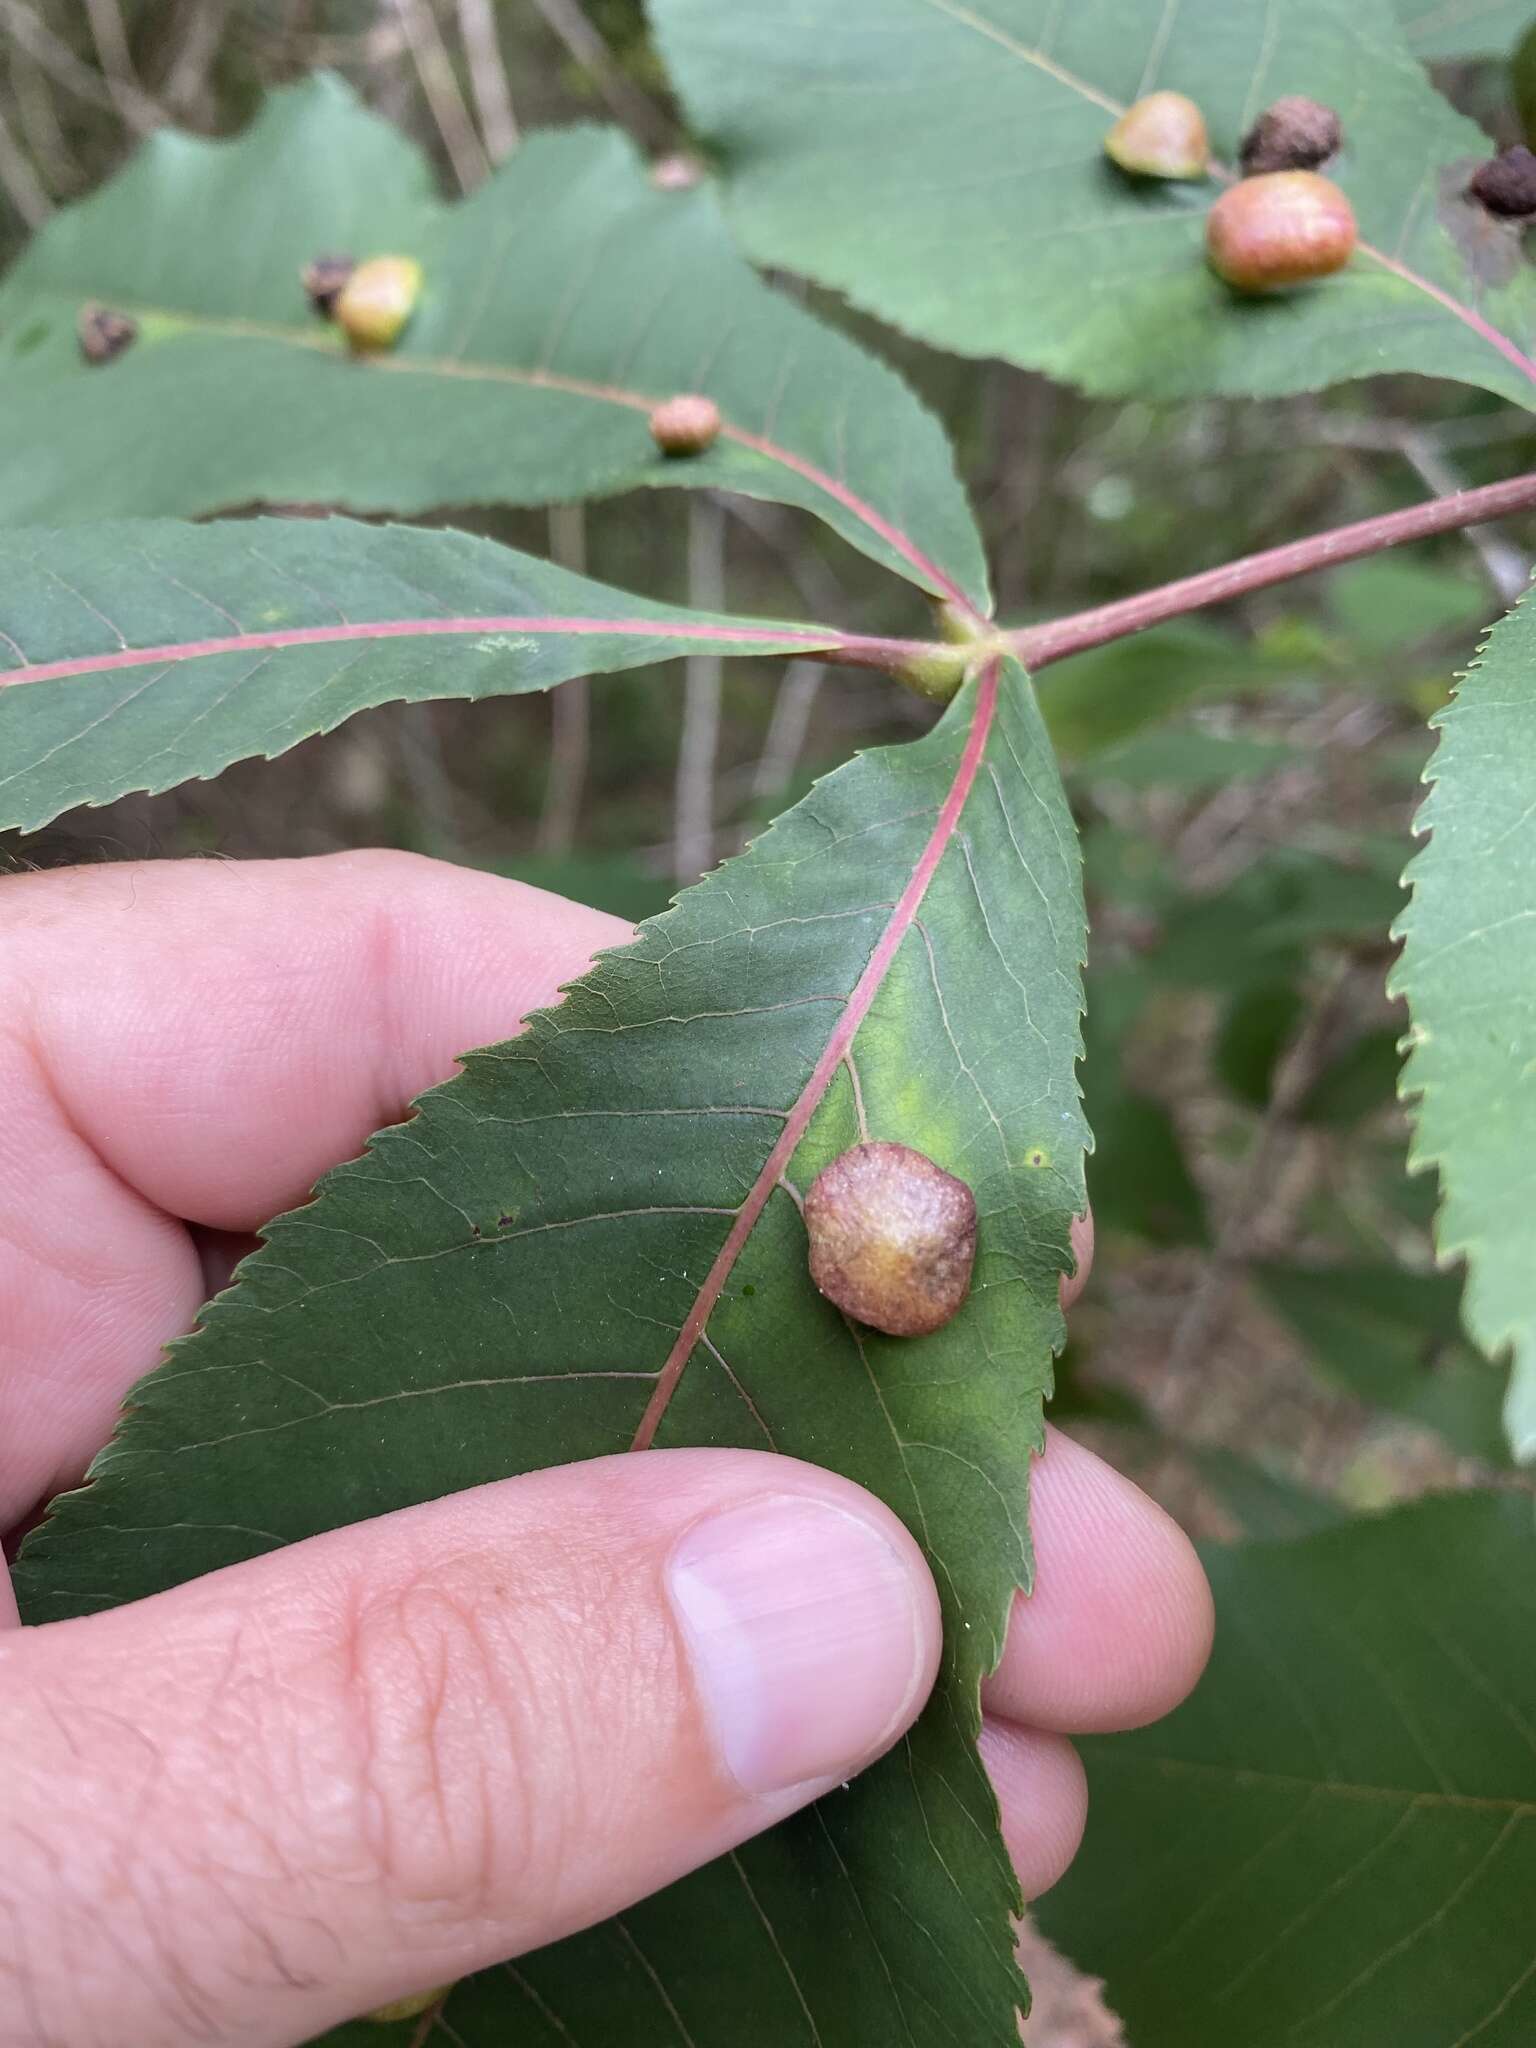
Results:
453 1751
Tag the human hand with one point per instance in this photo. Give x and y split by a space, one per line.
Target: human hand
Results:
269 1799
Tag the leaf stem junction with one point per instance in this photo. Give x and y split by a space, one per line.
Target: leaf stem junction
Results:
935 668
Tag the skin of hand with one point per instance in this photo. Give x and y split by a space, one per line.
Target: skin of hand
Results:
248 1808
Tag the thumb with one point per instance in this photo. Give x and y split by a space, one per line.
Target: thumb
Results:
377 1760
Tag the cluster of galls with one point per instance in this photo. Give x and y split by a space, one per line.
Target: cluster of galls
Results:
1280 224
371 303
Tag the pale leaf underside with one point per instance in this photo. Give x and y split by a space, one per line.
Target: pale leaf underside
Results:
138 654
1463 28
560 303
942 161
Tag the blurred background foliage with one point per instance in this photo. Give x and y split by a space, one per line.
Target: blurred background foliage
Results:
1265 1341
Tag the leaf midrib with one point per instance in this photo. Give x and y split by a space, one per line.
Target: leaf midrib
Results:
1037 59
1343 1788
979 24
837 1048
324 342
800 639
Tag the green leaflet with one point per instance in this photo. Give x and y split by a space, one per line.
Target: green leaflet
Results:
1463 28
499 1284
1392 1338
941 161
1467 972
1333 1844
164 652
1260 1501
560 301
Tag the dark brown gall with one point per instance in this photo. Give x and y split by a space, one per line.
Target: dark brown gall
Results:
324 279
1506 184
892 1238
1295 134
104 333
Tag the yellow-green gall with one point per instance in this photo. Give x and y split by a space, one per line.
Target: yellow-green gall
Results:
408 2008
1161 136
892 1238
957 624
685 425
937 672
377 300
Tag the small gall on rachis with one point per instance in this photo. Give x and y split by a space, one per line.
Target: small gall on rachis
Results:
1295 134
1283 228
1161 136
377 300
324 278
103 333
892 1238
678 172
685 425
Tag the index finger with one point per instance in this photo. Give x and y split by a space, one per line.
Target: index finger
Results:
222 1032
199 1041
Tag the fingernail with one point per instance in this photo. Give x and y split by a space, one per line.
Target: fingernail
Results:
806 1628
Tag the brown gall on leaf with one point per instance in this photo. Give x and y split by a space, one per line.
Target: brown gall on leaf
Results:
408 2008
1280 229
1506 184
103 333
678 172
685 425
1491 245
1295 134
892 1238
1161 136
324 278
377 300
